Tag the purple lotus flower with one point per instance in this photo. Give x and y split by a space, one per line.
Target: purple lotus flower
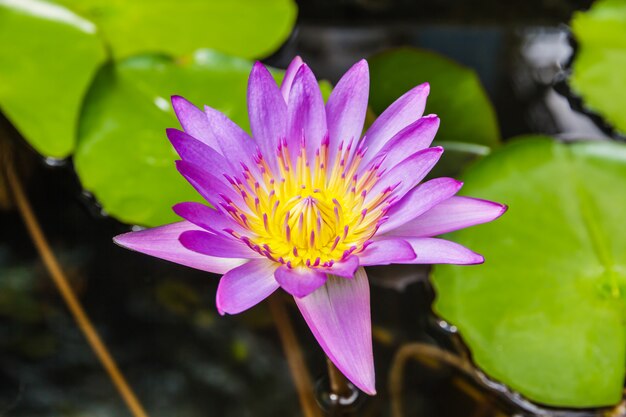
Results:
305 203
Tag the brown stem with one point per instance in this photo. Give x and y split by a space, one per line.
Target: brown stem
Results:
68 295
338 382
295 360
419 351
430 355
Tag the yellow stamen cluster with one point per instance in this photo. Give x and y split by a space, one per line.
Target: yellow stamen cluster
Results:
307 214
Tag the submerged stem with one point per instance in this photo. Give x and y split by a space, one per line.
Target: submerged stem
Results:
338 382
418 351
298 368
68 295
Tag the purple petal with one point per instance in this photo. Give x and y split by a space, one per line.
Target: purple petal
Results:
208 218
246 286
234 143
210 187
217 131
162 242
407 174
300 281
193 120
401 113
387 251
198 153
413 138
345 268
268 112
452 214
290 74
306 114
346 107
220 246
429 250
338 314
419 200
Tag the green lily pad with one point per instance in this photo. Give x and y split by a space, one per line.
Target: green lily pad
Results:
245 28
598 68
545 313
123 156
469 127
48 58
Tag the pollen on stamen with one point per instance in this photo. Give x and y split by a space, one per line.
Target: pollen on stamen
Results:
265 222
319 222
348 252
226 198
307 213
382 220
229 179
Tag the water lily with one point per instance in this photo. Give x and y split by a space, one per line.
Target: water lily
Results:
305 203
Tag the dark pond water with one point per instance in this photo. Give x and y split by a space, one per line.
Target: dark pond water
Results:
159 319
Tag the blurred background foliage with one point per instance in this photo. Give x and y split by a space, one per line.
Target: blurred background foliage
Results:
601 39
86 84
72 39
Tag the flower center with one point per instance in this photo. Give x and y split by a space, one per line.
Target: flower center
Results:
301 213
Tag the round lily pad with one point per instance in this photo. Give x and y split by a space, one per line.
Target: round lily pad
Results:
545 314
48 58
123 156
598 67
245 28
469 126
